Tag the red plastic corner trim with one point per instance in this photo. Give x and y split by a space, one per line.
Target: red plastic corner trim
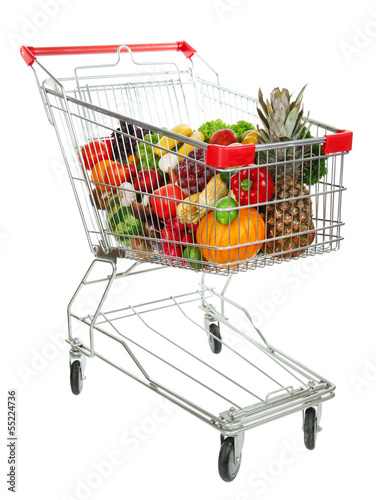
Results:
339 142
230 156
187 49
27 54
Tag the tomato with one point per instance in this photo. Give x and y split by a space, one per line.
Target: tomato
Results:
94 152
166 208
116 173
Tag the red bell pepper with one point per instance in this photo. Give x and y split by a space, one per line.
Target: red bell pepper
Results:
251 186
165 208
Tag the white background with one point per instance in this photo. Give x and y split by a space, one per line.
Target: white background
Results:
326 319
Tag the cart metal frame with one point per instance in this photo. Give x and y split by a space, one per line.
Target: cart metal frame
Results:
73 106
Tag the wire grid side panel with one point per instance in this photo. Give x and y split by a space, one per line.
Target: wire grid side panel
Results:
330 186
70 139
216 102
115 216
304 215
162 103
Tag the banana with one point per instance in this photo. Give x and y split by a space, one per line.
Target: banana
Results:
168 143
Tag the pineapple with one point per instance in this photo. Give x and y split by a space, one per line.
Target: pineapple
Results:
286 218
283 121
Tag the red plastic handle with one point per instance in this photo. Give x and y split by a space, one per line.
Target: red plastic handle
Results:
226 156
29 54
339 142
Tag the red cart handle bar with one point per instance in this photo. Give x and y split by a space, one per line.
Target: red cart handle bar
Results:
30 54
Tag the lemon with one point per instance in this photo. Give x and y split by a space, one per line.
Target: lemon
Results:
251 137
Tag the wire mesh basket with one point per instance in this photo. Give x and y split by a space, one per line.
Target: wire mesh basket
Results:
152 194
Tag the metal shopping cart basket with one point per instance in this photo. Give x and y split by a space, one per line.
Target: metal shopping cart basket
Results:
152 190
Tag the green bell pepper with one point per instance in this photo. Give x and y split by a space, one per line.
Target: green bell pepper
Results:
229 216
193 253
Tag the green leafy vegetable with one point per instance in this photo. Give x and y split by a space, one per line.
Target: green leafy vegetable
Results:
240 127
145 152
208 128
313 175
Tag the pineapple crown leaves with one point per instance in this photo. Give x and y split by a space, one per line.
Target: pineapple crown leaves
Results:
281 118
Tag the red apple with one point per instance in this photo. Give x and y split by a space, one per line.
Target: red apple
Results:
223 137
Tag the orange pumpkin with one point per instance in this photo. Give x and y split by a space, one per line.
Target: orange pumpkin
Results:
248 227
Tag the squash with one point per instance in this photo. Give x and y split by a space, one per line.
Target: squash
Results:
248 227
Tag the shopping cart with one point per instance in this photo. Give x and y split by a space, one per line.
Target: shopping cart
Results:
113 113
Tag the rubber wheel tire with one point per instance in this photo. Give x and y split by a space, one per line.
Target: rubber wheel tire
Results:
227 468
215 345
310 428
76 382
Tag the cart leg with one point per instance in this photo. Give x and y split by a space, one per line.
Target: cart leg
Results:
228 281
230 456
83 282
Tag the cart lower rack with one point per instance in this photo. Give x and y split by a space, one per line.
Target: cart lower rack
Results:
175 363
153 187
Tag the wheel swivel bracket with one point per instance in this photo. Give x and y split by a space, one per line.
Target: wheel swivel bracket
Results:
77 354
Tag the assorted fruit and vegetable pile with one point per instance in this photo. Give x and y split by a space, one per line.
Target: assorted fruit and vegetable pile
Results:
160 197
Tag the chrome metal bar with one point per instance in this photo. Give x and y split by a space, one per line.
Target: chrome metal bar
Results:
172 366
267 350
263 418
243 309
129 351
153 309
281 401
100 305
196 357
118 275
226 428
228 281
171 396
234 351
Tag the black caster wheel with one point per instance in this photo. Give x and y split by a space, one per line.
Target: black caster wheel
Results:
76 377
228 468
215 345
310 428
